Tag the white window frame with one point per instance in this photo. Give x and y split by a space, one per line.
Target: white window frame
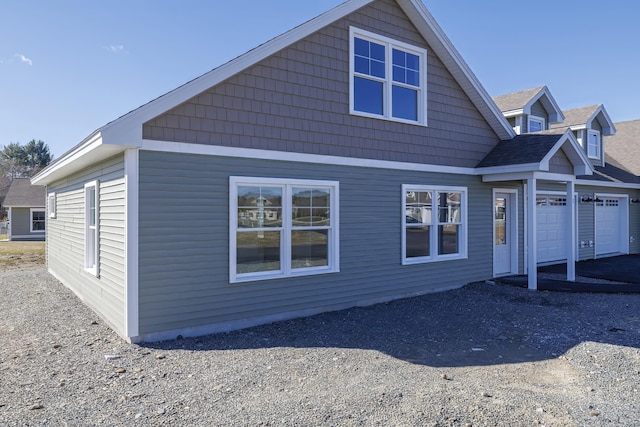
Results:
542 121
388 82
433 235
51 205
92 231
286 269
31 211
595 133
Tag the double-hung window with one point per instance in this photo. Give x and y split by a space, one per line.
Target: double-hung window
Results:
388 78
91 225
282 228
37 221
593 144
434 223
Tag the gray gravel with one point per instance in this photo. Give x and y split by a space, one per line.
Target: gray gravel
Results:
483 355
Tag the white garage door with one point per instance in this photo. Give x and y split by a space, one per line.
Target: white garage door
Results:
552 226
609 226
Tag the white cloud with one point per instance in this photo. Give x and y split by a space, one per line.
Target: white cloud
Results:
23 59
115 48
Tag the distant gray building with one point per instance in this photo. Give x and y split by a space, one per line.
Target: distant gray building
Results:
27 210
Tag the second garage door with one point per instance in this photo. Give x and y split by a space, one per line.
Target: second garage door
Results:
610 234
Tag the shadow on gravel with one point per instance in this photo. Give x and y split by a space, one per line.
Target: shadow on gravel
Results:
477 325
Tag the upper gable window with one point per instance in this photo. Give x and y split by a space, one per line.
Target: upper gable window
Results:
593 144
536 124
388 78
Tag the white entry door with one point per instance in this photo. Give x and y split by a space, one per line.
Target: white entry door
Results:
504 234
610 233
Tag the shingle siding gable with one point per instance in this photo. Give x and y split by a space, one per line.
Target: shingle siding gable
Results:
298 101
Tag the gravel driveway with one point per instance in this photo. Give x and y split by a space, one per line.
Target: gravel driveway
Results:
481 355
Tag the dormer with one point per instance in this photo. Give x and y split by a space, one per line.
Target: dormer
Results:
531 110
589 125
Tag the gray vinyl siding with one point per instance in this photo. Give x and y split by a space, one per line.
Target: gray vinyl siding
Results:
184 242
586 226
634 224
297 100
21 225
65 234
538 110
560 163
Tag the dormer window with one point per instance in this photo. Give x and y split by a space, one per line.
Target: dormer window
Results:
536 124
388 78
593 144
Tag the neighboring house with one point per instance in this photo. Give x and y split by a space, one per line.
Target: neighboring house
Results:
352 160
27 211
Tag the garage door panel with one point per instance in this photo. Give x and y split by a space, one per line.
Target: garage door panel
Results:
609 226
552 225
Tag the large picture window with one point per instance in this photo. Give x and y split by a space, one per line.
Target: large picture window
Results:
91 222
388 78
282 228
434 224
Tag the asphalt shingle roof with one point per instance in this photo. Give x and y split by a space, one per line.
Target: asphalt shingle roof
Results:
623 148
516 100
22 194
575 117
523 149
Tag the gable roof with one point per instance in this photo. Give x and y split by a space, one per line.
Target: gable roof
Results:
533 151
126 131
581 118
623 148
22 194
517 103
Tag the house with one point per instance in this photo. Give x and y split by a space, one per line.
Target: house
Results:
355 159
27 211
605 219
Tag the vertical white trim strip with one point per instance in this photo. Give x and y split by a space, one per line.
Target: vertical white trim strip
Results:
571 212
531 234
131 169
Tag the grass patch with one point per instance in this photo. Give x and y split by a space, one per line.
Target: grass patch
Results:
15 254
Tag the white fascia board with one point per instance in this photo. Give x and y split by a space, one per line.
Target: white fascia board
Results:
128 128
610 128
521 176
581 164
252 153
91 151
518 168
589 183
556 115
457 66
513 113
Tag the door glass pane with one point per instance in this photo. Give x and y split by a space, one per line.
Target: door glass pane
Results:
257 251
500 221
417 241
309 248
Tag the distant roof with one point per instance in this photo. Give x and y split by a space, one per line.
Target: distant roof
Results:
516 100
523 149
22 194
623 148
521 102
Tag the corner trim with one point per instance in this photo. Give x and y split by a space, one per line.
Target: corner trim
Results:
131 295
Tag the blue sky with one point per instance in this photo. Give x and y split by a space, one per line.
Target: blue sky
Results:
69 67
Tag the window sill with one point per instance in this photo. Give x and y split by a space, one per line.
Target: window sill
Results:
255 277
429 260
422 123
